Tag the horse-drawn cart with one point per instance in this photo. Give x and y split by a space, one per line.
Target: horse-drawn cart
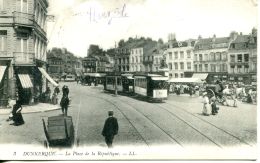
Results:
59 131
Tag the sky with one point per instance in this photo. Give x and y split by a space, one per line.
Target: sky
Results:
79 23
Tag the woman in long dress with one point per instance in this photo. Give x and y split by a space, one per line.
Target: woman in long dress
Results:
206 106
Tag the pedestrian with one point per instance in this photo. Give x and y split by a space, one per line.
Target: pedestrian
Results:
214 108
16 114
191 90
65 90
110 129
64 103
57 90
206 106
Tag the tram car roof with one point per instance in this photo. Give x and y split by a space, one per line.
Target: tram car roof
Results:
95 74
153 76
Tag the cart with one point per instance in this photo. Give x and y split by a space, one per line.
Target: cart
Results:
59 131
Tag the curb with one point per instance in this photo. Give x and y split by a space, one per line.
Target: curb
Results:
36 111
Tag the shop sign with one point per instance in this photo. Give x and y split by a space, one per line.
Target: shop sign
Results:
232 78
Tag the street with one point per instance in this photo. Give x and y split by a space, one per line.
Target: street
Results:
177 122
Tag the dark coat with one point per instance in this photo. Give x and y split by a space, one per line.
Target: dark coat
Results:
17 116
110 127
64 101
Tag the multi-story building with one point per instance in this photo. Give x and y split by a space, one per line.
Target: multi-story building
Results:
55 66
23 45
89 64
136 58
179 58
210 58
122 58
242 58
158 55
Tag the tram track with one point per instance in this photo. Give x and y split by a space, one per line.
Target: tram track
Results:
190 125
205 121
117 107
93 96
180 119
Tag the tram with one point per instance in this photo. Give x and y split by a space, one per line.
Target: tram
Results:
89 78
153 86
110 83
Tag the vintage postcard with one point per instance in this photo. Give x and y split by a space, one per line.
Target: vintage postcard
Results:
128 79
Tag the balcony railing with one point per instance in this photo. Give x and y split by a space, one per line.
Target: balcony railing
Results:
23 18
24 58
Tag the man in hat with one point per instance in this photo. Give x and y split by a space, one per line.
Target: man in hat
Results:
110 129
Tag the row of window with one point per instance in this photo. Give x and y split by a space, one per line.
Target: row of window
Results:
211 57
123 61
176 66
210 68
56 62
176 75
181 56
40 15
239 69
239 58
137 59
136 51
123 68
40 48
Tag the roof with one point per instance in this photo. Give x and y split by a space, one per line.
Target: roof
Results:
185 80
241 39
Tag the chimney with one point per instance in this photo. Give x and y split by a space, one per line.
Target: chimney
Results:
214 38
241 33
233 35
199 37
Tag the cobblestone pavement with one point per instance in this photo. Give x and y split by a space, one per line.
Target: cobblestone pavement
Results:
177 122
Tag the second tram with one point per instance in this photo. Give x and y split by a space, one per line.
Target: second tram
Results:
153 86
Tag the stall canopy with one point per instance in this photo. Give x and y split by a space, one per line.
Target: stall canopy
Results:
2 71
201 76
44 73
185 80
25 80
95 74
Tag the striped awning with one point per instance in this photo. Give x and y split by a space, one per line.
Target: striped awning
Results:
44 73
25 80
2 72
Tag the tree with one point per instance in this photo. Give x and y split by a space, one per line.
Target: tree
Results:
94 50
160 41
121 43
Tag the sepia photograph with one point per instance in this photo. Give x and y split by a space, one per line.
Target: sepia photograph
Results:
128 80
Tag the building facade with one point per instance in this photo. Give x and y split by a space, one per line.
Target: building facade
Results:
23 45
122 59
136 59
242 58
179 58
55 66
211 56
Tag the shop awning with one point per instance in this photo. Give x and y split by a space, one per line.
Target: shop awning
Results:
2 72
201 76
185 80
44 73
25 80
159 78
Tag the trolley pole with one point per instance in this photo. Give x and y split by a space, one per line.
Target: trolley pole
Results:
115 85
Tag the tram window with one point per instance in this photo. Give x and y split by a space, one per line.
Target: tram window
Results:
157 84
